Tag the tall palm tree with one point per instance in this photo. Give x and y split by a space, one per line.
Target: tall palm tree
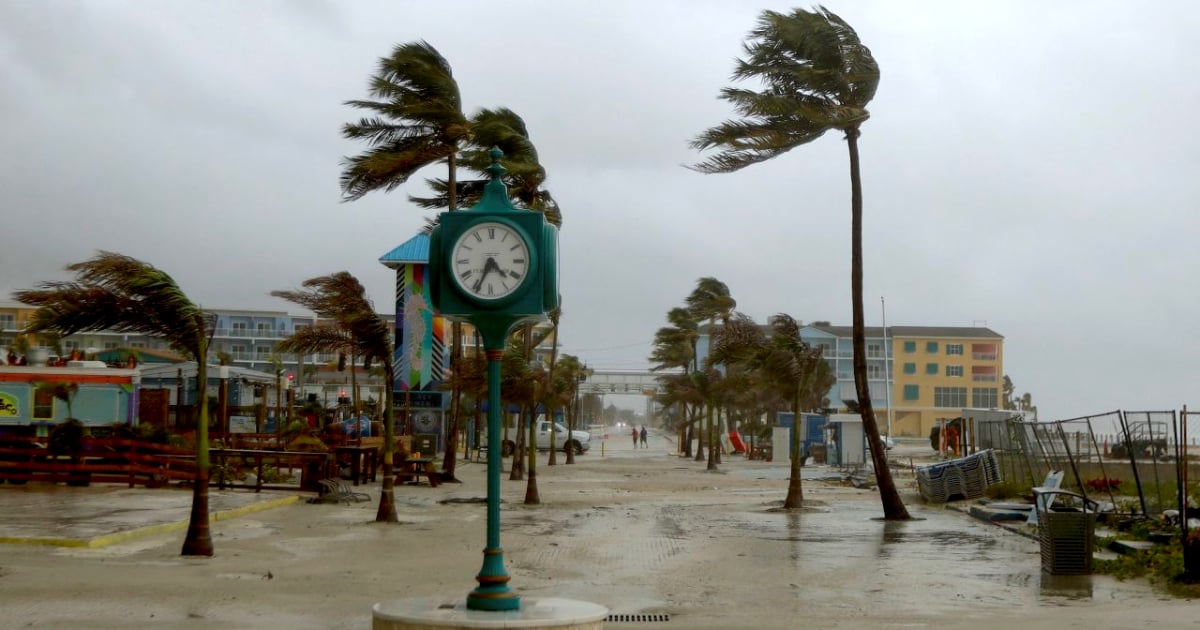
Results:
675 347
818 77
417 119
340 297
115 292
711 300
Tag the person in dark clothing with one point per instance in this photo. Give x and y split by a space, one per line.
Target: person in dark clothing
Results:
635 437
643 436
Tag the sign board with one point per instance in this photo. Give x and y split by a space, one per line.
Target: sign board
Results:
241 424
419 400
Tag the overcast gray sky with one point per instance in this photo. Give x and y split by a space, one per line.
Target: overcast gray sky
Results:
1028 165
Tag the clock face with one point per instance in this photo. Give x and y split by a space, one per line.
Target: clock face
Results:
490 261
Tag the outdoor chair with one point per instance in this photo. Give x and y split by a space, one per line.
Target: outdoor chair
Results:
338 491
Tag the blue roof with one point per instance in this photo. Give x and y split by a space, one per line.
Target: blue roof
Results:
413 251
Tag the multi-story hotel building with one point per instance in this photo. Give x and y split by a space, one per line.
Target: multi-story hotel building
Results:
916 374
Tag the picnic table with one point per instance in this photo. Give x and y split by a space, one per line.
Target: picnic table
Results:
364 460
412 468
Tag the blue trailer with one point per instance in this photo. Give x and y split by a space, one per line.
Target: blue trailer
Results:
811 429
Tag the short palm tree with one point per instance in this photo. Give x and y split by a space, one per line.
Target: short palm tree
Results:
115 292
341 298
817 77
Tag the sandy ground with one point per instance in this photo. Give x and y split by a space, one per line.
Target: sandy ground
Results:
637 531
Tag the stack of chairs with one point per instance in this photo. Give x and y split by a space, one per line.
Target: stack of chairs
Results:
957 479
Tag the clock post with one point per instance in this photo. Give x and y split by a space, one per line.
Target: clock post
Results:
494 266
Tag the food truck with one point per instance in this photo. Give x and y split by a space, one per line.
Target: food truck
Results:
41 397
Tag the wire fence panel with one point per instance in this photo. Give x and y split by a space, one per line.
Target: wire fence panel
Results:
1149 441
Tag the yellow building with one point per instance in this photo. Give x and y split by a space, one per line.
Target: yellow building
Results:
938 371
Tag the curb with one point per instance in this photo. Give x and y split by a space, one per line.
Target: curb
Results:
149 530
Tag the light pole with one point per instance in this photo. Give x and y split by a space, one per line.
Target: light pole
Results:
887 372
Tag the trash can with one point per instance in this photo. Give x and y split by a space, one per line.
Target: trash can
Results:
1065 534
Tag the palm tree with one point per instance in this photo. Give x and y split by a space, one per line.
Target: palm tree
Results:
675 347
711 300
122 294
340 297
818 77
417 120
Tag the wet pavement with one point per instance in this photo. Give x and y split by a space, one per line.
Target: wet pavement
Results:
100 515
641 532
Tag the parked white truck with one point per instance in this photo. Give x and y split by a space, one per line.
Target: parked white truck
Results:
579 441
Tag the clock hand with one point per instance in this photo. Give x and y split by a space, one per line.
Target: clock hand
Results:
488 266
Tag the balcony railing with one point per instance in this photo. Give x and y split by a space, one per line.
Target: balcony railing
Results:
983 378
246 333
983 356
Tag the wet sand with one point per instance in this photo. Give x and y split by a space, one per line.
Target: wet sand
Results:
641 532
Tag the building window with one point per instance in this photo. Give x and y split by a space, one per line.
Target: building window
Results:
43 403
8 322
950 397
848 392
954 349
874 371
910 368
984 397
874 351
110 345
141 345
239 352
912 392
931 369
238 329
955 371
265 330
70 345
931 347
910 346
261 353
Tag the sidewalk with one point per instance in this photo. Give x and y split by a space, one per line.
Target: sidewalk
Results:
106 514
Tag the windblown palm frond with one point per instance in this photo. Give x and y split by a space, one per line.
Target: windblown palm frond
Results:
417 120
816 75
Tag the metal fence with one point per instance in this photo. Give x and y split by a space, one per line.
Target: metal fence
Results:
1106 457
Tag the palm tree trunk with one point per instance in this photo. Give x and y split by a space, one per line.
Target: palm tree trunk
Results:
456 356
531 489
795 491
893 506
450 459
198 541
387 493
712 445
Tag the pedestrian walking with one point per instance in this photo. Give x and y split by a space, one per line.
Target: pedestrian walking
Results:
643 436
635 437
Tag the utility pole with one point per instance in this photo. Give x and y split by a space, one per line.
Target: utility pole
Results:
887 372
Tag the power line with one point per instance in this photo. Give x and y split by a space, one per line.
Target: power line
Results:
602 349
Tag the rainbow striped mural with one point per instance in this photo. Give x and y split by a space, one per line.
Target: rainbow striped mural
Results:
420 353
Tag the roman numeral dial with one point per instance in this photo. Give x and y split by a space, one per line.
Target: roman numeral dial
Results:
490 260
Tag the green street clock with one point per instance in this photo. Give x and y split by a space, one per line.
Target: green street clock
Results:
493 265
494 260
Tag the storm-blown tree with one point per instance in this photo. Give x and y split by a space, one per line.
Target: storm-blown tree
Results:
711 300
341 298
817 76
118 293
675 348
416 120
